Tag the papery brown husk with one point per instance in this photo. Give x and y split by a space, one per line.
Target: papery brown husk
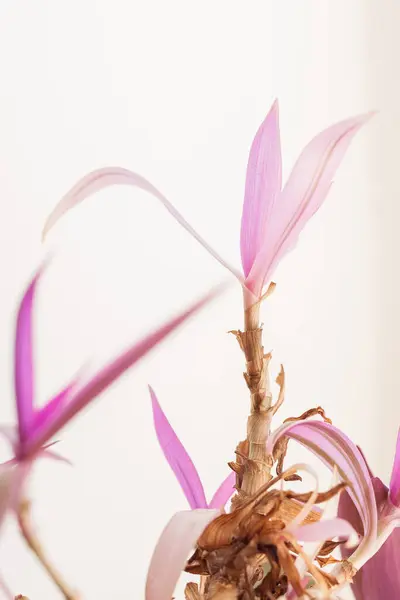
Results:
235 546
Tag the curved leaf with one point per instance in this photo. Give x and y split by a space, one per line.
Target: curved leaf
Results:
177 457
335 449
324 530
107 176
171 552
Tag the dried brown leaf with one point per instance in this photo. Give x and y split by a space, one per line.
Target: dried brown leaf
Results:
287 563
280 380
312 412
328 548
321 497
323 561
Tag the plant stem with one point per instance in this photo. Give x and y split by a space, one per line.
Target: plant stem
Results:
32 540
253 464
256 464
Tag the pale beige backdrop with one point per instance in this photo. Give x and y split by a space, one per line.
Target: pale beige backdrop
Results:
176 90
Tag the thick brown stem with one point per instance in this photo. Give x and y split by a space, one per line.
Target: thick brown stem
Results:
34 544
253 464
256 464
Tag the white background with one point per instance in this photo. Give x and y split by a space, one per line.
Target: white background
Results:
176 90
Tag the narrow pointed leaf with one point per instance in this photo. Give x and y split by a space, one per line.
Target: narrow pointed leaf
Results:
224 492
263 184
303 194
81 397
169 558
23 361
108 176
177 457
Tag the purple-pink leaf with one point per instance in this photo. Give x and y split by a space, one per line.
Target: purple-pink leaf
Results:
303 194
379 577
54 406
263 185
23 362
171 552
177 457
224 492
182 465
108 176
395 479
323 530
335 449
82 396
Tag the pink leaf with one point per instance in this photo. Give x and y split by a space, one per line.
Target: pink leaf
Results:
28 417
81 397
23 361
177 457
263 184
53 407
172 550
102 178
303 194
366 462
323 530
334 448
224 492
379 577
395 479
